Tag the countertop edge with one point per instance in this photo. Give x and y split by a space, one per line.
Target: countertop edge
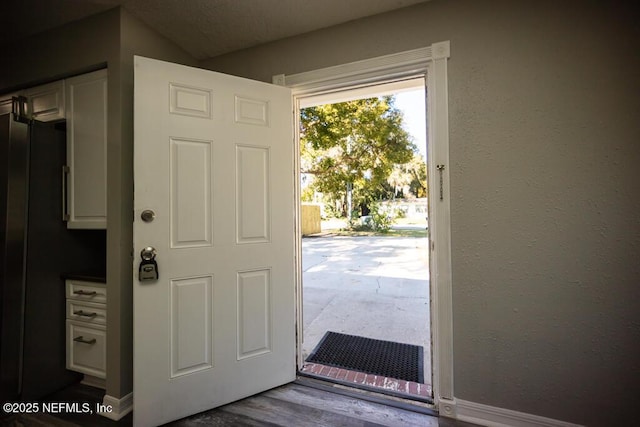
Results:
83 277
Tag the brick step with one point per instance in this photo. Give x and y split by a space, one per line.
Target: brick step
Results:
371 380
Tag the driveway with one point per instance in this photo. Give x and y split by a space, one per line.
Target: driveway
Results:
376 287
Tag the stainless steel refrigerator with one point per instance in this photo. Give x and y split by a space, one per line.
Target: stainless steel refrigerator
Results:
36 248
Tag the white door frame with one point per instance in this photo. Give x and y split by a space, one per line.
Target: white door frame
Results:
430 62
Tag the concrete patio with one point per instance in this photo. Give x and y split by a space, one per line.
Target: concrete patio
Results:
376 287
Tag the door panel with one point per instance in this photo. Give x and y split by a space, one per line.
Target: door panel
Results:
190 193
191 316
252 195
214 161
254 313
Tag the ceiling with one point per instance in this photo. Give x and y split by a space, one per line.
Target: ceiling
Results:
204 28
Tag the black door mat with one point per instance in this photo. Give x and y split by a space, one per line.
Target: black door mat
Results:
385 358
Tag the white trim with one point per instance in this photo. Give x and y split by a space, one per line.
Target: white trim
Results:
431 62
448 408
486 415
440 226
397 65
119 407
298 232
360 92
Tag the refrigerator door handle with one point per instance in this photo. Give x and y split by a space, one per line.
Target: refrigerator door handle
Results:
65 174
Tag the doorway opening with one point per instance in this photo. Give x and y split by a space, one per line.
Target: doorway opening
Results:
365 240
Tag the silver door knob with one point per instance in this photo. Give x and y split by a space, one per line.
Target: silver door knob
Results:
148 253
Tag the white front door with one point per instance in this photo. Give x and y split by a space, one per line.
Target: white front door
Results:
214 162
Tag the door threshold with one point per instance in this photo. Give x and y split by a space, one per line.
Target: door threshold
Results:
369 395
374 383
421 404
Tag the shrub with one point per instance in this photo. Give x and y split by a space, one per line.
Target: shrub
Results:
380 220
400 213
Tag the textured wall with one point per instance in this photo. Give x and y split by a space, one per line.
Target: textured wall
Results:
71 49
545 148
546 230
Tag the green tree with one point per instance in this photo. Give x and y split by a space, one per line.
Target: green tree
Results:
409 179
417 167
352 147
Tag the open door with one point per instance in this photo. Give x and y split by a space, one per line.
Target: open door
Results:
213 169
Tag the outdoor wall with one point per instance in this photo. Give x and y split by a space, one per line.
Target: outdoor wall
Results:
543 106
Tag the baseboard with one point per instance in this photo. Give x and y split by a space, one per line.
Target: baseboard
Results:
486 415
117 408
448 408
94 381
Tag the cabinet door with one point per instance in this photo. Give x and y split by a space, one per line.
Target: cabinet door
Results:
86 105
46 102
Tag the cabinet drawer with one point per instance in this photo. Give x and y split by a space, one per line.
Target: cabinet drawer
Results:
87 348
87 312
86 291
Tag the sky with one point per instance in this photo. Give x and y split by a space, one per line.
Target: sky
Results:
412 105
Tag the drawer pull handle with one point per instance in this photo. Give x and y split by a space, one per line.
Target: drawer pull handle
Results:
82 313
82 340
81 292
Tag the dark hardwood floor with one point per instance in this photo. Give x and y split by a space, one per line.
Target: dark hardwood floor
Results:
300 404
76 393
304 404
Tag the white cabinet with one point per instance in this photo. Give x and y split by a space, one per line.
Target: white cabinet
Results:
82 101
86 172
87 330
46 102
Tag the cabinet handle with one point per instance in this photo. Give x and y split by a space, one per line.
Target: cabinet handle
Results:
82 313
83 341
81 292
65 213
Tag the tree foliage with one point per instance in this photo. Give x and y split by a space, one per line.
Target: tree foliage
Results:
409 179
358 144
